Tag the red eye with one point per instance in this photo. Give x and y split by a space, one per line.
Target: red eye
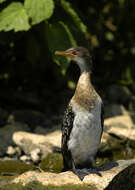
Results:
74 52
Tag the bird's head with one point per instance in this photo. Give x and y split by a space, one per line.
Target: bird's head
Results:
78 54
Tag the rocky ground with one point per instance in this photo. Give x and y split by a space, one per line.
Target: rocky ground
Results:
30 147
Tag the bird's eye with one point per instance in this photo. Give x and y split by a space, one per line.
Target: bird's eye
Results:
74 52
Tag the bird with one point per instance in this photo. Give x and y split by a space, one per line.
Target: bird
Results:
83 119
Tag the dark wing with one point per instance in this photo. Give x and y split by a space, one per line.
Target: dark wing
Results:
102 116
67 126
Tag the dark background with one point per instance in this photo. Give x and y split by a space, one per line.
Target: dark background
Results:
29 76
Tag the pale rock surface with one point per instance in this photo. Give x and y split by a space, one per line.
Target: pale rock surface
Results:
29 141
6 134
122 126
35 155
47 178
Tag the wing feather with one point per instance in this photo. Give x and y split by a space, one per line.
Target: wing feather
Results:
67 126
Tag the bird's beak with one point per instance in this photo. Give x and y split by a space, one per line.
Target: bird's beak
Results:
64 53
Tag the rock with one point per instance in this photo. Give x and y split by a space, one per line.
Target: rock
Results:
124 180
11 151
109 171
3 116
31 117
45 131
118 94
132 104
36 155
6 134
40 130
25 159
112 110
11 119
18 151
29 141
121 126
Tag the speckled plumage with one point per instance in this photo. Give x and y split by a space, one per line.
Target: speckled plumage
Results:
66 128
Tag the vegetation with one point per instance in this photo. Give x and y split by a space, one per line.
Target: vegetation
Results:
36 185
14 167
31 31
52 163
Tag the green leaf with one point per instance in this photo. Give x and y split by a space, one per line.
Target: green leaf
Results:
1 1
78 22
14 17
59 37
39 10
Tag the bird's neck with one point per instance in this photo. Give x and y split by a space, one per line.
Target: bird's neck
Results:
84 83
84 68
84 64
85 93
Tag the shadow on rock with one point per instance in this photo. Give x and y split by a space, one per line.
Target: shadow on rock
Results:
124 180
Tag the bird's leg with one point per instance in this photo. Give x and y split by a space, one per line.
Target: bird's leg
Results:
81 173
90 168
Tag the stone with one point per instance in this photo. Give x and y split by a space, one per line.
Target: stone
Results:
6 134
118 94
3 116
121 126
31 117
18 151
25 159
108 171
40 130
29 141
132 104
112 110
124 180
36 155
11 151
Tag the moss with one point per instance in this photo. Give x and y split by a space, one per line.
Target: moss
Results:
52 163
5 180
115 149
38 186
12 186
12 167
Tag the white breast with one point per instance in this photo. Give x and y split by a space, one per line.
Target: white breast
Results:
86 133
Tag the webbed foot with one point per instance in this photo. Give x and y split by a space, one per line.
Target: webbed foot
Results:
81 173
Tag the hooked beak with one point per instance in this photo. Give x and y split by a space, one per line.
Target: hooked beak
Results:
64 53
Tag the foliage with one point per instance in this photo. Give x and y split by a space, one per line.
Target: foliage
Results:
39 10
59 37
1 1
14 17
31 32
70 11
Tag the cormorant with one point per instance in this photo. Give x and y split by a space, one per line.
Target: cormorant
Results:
83 120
